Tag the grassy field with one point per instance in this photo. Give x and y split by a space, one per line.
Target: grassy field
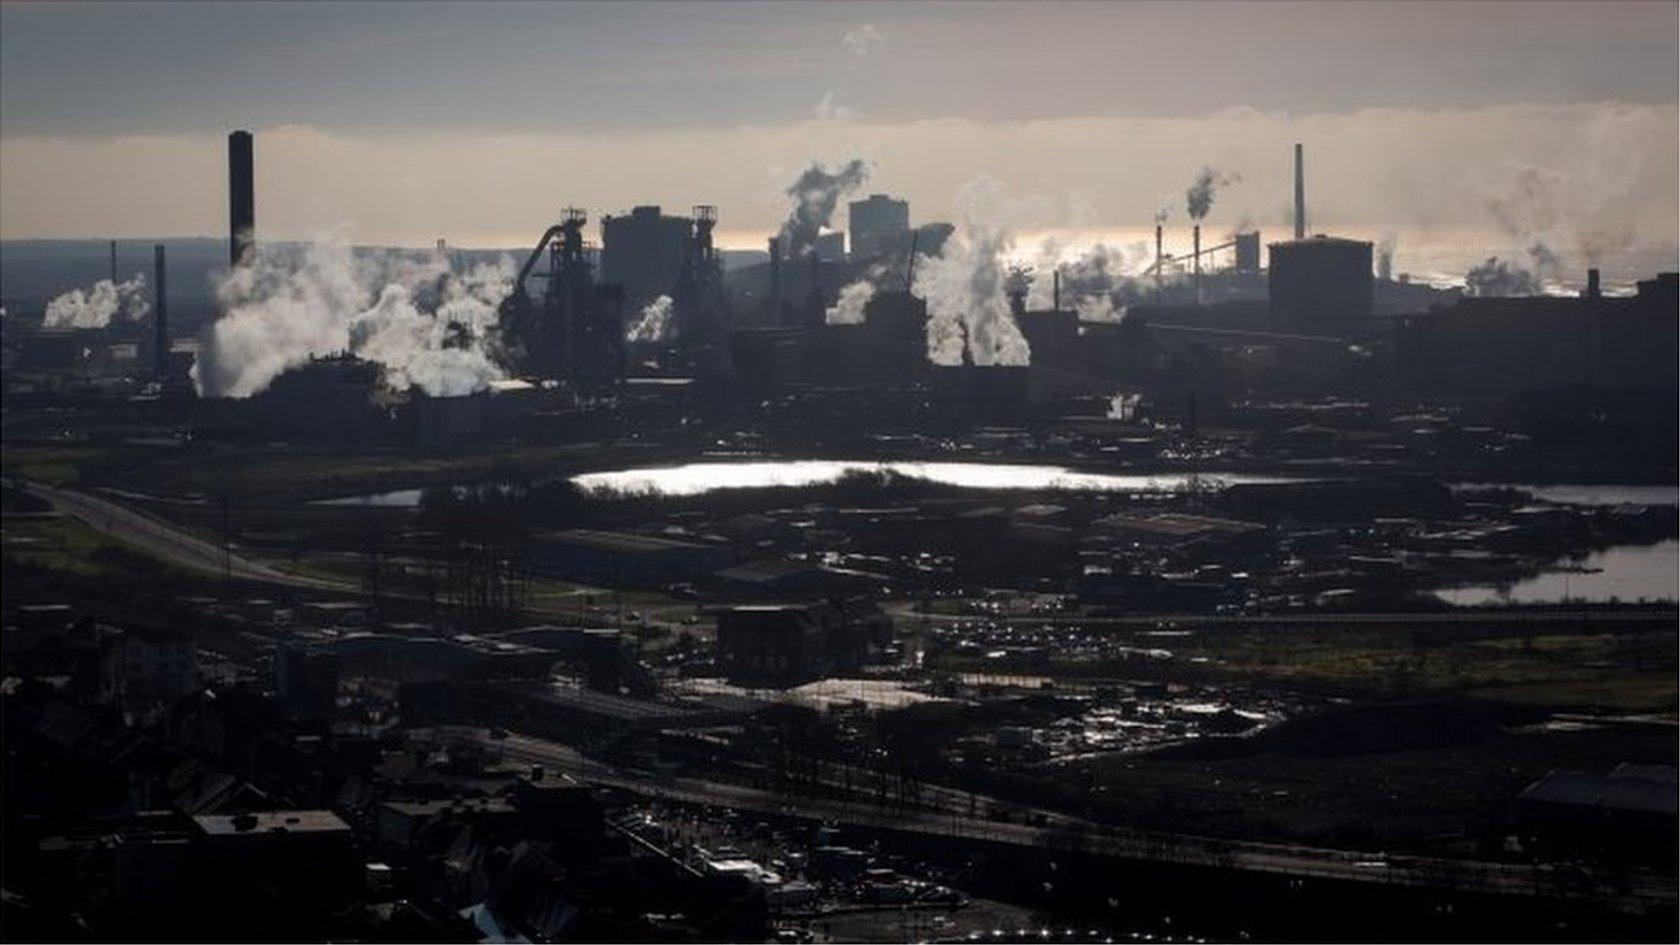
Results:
64 544
54 465
1622 672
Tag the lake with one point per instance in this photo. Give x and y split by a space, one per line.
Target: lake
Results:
1594 494
699 478
1626 572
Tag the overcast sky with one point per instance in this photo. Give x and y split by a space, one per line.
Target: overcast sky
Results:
476 122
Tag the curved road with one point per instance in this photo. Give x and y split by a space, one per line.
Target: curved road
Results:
167 542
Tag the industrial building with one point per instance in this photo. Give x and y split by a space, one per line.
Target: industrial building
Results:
786 645
1319 279
879 226
643 251
1496 347
575 330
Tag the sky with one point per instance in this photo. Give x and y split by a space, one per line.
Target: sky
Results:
476 123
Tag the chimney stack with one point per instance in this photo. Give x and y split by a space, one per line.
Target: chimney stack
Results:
160 314
1157 259
242 218
113 262
1056 290
775 277
1300 196
1592 284
1196 258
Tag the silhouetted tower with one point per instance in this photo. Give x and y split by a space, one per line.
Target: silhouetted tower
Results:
814 308
700 302
775 278
1196 258
705 220
569 287
1158 259
242 214
160 314
113 261
1300 196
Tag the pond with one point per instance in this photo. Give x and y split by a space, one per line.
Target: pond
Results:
1626 573
1595 494
699 478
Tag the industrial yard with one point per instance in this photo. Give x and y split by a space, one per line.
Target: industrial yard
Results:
664 573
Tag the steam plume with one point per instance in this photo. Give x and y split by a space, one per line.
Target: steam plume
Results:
654 325
95 307
1198 200
1095 281
428 326
964 285
815 195
1495 278
848 309
1385 254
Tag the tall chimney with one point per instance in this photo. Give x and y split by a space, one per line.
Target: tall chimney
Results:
1196 258
113 261
1157 259
1056 290
160 314
1300 196
775 277
242 214
1592 284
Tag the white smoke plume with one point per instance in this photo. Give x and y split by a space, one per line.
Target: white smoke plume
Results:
95 307
654 325
863 39
964 286
1198 199
829 109
426 325
1385 254
1544 210
1530 207
848 309
1094 283
815 195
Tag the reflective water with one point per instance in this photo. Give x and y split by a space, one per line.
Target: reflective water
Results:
1597 494
698 478
400 499
1626 573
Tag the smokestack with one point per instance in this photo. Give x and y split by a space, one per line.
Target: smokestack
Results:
775 276
242 214
160 314
1300 196
1196 258
816 313
1056 290
1592 284
113 262
1157 259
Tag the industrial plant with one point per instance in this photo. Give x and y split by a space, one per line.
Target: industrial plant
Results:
877 577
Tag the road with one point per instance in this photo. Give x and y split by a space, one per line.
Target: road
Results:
947 816
167 542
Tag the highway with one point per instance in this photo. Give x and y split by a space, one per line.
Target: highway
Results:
166 542
945 814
